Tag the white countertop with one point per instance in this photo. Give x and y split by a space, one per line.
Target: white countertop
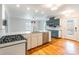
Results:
16 42
53 28
11 43
15 33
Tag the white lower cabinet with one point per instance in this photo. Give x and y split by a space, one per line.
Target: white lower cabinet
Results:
34 40
28 41
39 39
28 44
18 49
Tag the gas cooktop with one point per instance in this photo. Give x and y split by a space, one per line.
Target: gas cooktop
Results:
11 38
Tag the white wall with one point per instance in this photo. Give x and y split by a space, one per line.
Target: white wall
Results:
18 25
0 23
0 17
23 25
41 25
62 25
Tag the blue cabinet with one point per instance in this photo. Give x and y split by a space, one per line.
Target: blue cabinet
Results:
53 22
54 33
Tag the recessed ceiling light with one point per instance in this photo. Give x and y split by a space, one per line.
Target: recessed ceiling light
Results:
36 11
28 8
17 5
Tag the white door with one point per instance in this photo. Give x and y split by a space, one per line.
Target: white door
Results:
70 28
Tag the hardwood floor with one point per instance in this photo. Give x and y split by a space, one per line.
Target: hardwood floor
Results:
57 47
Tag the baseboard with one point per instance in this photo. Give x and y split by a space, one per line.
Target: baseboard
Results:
71 39
57 37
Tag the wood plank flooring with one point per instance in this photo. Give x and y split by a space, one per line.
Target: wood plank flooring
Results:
57 47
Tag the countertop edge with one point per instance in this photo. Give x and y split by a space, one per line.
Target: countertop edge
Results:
12 43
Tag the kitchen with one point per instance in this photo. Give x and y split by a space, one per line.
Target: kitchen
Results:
28 26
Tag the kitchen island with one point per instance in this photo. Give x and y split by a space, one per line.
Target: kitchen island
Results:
19 43
35 39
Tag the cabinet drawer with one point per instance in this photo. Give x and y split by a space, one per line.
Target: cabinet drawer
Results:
45 37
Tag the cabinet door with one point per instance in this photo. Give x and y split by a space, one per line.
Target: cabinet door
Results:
13 50
54 33
45 37
28 42
34 40
39 39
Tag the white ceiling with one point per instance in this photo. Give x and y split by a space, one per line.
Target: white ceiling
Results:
23 12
